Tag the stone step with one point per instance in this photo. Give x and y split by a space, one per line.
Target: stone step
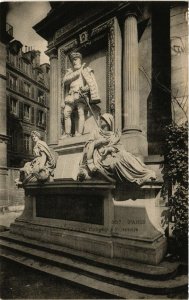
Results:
101 274
79 279
163 271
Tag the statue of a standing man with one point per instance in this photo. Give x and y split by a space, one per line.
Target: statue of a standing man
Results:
79 87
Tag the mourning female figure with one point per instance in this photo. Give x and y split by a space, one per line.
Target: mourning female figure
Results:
104 154
41 167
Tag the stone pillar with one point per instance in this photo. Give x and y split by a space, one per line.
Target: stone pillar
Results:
53 105
3 129
132 137
131 74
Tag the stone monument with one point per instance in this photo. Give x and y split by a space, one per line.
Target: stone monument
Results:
103 202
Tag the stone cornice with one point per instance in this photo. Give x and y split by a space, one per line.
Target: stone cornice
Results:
4 138
3 77
66 184
62 17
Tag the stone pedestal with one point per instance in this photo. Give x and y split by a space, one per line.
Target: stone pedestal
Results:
94 216
84 216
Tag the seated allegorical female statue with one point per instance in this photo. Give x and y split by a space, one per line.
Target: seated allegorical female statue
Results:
41 167
105 155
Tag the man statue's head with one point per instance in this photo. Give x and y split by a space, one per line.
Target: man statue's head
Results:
76 58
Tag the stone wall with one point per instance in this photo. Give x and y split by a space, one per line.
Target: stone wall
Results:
179 61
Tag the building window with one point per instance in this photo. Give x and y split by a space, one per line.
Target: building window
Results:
41 97
40 77
27 88
27 143
32 92
21 86
27 112
41 118
21 64
25 67
13 140
13 82
13 106
12 59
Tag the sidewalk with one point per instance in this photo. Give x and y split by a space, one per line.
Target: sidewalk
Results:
7 218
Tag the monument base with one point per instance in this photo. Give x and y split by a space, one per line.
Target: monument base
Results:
93 217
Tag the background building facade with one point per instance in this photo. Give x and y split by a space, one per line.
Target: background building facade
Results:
27 100
27 93
6 35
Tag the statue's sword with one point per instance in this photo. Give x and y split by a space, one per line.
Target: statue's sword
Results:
90 108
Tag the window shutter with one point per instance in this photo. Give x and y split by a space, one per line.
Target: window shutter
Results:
45 120
19 83
7 79
32 92
32 115
21 143
8 103
37 117
21 110
21 86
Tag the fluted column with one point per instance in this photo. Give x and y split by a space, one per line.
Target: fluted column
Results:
133 138
131 74
53 105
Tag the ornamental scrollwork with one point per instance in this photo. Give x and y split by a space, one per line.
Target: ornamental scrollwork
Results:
108 27
63 55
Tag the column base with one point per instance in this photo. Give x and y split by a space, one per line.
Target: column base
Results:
135 142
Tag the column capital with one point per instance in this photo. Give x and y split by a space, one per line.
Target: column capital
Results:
131 13
52 53
134 9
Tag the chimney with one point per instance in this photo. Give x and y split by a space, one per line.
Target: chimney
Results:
37 57
26 48
20 51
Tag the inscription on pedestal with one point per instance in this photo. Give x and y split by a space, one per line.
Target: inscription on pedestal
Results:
80 208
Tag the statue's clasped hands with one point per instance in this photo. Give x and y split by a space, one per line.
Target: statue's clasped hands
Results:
101 142
108 150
